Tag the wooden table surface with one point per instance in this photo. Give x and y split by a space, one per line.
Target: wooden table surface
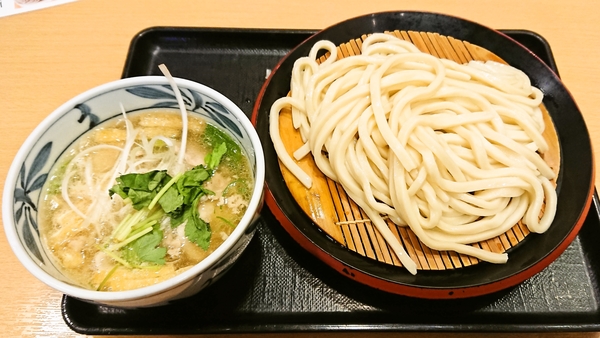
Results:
50 55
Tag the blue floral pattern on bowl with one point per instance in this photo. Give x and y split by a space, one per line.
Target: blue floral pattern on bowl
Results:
79 118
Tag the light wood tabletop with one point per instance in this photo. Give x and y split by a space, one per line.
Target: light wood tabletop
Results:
49 56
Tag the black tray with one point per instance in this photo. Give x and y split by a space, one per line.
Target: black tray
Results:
276 286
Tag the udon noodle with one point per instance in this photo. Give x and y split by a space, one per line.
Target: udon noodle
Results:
450 150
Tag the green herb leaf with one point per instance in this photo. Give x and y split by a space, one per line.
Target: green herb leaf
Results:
171 200
140 188
180 196
191 183
213 158
194 177
146 249
140 198
158 178
215 136
196 230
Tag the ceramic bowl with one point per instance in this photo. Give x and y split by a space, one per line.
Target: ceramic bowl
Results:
36 157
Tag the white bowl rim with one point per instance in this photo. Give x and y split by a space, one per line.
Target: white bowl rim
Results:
135 294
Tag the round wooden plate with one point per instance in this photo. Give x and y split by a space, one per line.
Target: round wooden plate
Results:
323 225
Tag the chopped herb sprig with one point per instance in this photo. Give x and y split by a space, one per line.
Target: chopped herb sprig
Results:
135 242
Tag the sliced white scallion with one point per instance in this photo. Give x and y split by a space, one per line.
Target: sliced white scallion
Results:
121 166
184 119
69 174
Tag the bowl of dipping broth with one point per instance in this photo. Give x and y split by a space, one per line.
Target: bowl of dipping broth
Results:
136 192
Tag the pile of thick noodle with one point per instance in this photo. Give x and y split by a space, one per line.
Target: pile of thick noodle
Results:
451 150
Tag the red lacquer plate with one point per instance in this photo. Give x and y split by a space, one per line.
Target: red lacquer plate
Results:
575 183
